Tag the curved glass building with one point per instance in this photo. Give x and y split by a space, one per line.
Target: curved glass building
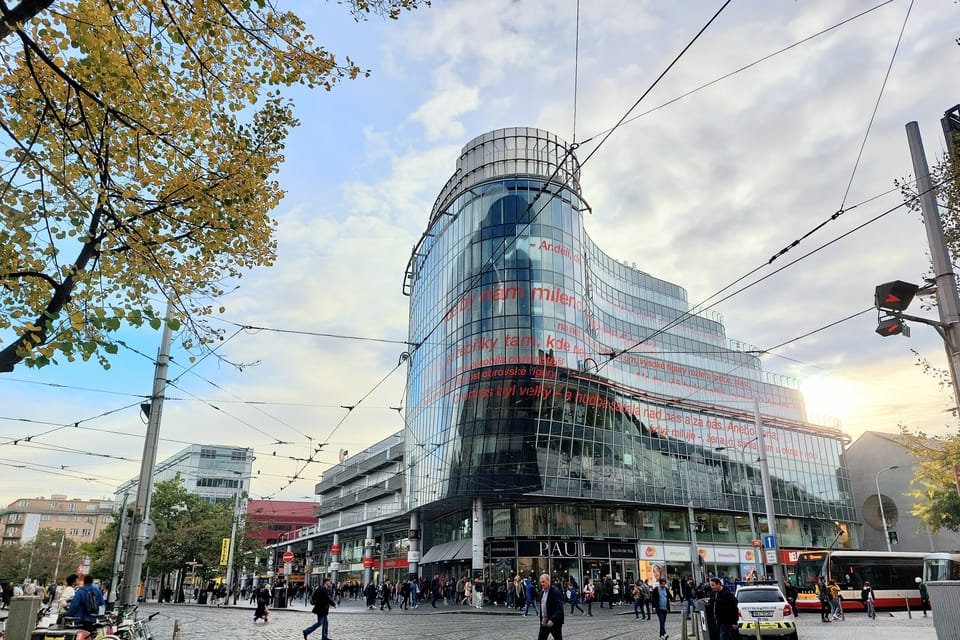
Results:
571 413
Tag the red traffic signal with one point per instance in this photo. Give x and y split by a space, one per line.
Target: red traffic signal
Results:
895 296
892 327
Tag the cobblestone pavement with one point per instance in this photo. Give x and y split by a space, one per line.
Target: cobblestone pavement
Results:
353 621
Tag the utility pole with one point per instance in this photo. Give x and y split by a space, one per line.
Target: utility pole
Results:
136 552
233 539
767 495
948 301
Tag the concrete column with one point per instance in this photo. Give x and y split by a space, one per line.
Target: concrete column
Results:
308 564
478 535
413 555
368 556
334 569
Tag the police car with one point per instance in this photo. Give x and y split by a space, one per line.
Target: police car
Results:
765 612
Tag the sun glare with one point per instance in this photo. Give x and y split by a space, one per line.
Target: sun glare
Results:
829 397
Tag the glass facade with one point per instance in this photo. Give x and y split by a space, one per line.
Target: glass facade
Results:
550 378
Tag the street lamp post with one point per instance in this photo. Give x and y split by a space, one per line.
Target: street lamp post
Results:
694 554
883 517
56 571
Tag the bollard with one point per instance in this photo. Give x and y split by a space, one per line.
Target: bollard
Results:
906 601
22 619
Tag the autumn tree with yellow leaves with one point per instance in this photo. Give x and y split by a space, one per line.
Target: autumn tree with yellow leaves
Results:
139 141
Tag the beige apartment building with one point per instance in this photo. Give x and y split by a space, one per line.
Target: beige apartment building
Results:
80 520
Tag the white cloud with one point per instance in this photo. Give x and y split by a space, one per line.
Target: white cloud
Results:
698 192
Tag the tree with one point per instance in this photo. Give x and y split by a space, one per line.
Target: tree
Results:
101 551
40 559
187 528
938 504
139 140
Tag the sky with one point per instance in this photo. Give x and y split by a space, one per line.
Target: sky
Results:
696 188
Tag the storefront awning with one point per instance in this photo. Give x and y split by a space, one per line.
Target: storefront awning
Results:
456 550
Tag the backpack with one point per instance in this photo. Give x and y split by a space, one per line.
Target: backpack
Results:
89 603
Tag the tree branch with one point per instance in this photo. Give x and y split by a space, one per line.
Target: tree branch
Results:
25 10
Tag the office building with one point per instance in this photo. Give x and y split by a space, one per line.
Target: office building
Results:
572 414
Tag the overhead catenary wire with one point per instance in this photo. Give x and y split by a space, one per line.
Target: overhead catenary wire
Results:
507 243
839 212
703 306
751 65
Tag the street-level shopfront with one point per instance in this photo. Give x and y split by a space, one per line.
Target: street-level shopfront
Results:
626 561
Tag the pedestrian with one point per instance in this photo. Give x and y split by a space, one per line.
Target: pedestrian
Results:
638 602
573 589
370 594
607 591
321 602
589 593
63 604
262 597
924 595
834 592
677 589
823 595
414 588
689 590
405 595
867 598
435 590
660 601
85 605
551 610
386 593
528 590
723 609
467 592
790 592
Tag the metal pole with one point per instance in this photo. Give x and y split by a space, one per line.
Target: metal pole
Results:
767 493
948 300
694 556
136 552
118 552
883 517
56 571
233 538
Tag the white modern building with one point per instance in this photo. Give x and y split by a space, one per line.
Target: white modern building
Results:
213 472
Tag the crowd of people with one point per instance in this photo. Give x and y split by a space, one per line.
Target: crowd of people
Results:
74 597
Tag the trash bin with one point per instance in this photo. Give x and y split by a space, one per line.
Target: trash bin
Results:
280 598
699 627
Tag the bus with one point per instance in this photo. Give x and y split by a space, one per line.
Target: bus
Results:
941 566
892 575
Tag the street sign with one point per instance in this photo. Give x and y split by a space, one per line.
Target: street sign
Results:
771 556
757 543
413 556
335 549
288 556
769 541
367 563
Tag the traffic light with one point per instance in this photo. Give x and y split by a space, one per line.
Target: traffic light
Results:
894 296
893 326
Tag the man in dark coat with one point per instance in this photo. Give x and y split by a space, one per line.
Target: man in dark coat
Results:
321 602
660 601
551 610
723 609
